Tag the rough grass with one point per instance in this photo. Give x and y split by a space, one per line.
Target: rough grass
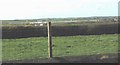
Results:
36 47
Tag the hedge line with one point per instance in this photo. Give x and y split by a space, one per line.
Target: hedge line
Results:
23 32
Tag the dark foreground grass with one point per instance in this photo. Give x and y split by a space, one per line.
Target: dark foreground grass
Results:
36 47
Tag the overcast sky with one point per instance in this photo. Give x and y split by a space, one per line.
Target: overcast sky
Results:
34 9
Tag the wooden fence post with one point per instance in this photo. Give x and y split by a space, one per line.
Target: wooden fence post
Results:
49 40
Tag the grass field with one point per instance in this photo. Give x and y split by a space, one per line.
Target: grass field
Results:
36 47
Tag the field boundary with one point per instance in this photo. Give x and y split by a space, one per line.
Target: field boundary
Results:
24 32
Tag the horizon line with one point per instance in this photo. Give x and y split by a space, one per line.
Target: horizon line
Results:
59 17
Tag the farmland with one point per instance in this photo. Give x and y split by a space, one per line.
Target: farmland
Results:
22 41
60 29
36 47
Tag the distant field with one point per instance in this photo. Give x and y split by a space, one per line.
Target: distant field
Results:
64 23
60 29
36 47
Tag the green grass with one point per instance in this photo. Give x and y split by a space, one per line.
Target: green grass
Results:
36 47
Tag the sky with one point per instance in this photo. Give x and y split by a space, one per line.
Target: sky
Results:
35 9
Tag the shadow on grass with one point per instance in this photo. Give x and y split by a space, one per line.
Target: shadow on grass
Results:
101 58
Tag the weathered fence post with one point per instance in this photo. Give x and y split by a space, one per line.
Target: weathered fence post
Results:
49 40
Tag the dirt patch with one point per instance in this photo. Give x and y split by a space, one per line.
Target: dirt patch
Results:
101 58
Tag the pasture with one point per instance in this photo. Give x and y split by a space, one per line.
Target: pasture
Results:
36 47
